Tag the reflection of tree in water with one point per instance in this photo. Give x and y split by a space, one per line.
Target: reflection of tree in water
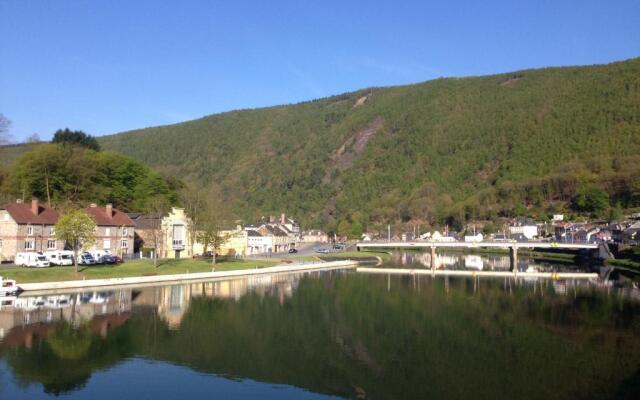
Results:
70 343
65 360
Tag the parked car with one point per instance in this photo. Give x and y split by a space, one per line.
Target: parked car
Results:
108 259
323 251
292 251
86 259
37 260
119 260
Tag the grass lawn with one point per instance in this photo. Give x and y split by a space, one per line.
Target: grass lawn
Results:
129 268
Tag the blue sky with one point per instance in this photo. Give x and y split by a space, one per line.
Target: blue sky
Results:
109 66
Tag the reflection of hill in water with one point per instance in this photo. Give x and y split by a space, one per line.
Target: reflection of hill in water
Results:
406 337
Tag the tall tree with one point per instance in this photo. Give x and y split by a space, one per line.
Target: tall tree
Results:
67 136
214 218
194 202
77 229
155 210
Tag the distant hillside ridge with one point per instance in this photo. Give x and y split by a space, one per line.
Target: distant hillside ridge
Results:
443 151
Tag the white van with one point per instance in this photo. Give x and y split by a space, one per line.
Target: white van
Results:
97 254
60 257
37 260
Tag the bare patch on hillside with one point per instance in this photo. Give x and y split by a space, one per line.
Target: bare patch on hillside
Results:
360 101
512 80
344 156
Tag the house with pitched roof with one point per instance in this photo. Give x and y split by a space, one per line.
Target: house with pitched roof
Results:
26 227
114 230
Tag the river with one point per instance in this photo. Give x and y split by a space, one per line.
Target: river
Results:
334 334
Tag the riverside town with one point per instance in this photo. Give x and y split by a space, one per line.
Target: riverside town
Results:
332 200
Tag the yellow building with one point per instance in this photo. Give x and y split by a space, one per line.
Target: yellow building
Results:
177 241
235 243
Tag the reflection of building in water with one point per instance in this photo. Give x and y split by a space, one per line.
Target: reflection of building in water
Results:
455 261
29 316
172 302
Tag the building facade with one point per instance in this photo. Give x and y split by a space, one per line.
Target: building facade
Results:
27 228
114 230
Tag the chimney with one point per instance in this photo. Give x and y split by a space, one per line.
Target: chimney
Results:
109 209
283 219
34 206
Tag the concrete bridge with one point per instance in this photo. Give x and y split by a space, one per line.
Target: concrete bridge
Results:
513 247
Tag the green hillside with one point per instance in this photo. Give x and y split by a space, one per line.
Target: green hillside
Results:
447 150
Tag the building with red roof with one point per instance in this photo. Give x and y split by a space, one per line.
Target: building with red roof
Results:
27 227
115 230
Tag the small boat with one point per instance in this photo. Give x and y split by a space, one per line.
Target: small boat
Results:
8 287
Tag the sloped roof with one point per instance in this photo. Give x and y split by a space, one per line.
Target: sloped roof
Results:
146 221
117 217
22 214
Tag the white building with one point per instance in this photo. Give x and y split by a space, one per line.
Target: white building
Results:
528 231
259 244
474 238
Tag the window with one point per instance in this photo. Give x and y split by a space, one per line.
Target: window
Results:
51 244
53 231
0 243
29 245
124 232
29 230
107 231
124 243
106 244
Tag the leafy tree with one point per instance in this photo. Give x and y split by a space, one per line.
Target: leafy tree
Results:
591 199
213 219
67 136
489 228
60 173
615 213
344 228
77 229
155 209
194 202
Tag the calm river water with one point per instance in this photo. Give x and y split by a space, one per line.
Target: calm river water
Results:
337 334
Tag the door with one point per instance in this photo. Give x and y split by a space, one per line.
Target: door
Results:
177 254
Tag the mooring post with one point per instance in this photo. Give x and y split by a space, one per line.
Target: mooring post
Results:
433 257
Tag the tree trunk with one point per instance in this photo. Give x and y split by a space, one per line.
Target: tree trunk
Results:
75 257
48 195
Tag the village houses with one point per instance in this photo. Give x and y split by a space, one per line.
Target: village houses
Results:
29 227
26 227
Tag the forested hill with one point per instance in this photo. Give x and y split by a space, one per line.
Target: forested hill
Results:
451 149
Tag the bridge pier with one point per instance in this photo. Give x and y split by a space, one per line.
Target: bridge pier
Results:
513 258
433 257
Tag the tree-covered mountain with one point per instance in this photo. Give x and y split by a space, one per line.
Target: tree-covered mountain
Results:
442 151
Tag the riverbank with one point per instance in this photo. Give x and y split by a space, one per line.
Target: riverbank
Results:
181 278
129 269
